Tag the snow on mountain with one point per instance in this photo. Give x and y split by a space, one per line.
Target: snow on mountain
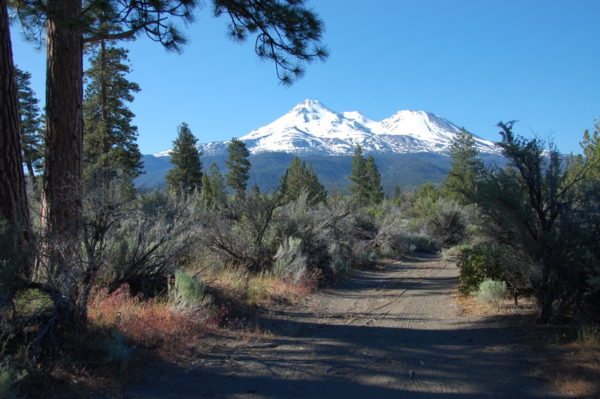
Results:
311 127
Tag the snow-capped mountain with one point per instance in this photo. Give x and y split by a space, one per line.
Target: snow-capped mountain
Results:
312 128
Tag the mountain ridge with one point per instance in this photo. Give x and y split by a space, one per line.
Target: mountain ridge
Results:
310 127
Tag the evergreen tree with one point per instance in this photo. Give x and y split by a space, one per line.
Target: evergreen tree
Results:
31 128
286 33
358 178
213 188
460 182
110 148
591 150
300 177
535 207
186 174
374 189
238 167
13 196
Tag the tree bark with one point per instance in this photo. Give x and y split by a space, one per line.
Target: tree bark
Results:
61 197
13 196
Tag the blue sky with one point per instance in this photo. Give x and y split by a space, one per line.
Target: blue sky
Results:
472 62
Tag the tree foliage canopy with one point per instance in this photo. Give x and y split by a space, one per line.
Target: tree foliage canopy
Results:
465 166
238 166
32 132
186 173
365 180
110 147
538 207
300 178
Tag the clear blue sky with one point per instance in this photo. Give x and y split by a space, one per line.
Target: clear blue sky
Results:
472 62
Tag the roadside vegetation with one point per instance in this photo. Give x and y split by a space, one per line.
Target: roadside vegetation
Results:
157 271
96 277
536 242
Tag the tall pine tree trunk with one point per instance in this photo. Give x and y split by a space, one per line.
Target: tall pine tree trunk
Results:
13 197
61 197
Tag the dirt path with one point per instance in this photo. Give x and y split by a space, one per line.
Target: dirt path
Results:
384 333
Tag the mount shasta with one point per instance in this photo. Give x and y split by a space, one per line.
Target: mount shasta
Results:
312 128
410 147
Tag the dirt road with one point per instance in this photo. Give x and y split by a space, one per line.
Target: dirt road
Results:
389 333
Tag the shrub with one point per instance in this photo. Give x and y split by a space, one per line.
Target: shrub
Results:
589 334
9 378
116 349
148 323
492 291
475 266
188 293
338 266
421 243
149 242
246 233
290 262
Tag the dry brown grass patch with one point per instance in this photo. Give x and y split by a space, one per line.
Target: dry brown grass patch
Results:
259 290
571 366
471 305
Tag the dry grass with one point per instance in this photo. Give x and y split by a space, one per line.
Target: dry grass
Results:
259 290
159 332
150 324
570 366
155 325
471 305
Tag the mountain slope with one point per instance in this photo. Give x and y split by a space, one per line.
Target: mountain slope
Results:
410 147
312 128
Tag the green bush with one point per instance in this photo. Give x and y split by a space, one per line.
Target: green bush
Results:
116 348
421 243
476 265
492 291
188 292
290 263
338 266
9 378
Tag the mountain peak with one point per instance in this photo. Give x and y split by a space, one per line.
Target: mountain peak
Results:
309 106
311 127
308 102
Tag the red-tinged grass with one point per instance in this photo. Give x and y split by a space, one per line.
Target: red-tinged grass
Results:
151 324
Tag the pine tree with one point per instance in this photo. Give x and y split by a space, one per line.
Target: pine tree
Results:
460 182
358 178
186 174
110 148
13 196
591 150
300 177
31 128
238 167
287 33
213 188
374 188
